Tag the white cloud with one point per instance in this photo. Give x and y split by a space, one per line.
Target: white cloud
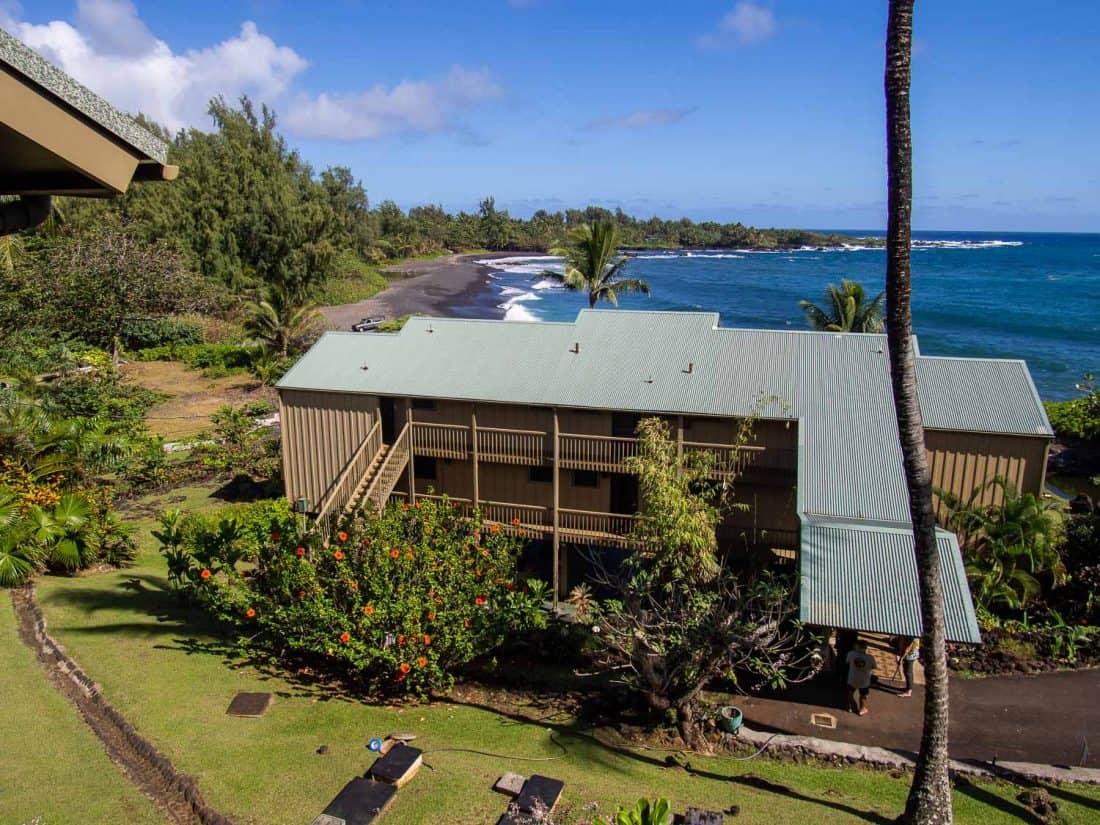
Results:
640 119
109 48
408 107
742 25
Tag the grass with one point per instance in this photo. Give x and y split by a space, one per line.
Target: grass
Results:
169 675
51 764
193 397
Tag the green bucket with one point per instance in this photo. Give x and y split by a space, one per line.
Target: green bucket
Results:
730 718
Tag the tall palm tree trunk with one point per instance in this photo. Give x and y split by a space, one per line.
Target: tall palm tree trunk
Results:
929 801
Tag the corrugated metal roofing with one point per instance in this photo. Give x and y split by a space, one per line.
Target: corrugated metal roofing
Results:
864 577
837 384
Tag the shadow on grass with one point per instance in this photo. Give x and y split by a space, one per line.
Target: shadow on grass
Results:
978 794
578 729
1065 795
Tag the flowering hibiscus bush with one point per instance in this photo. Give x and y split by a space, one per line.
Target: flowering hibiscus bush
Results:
399 601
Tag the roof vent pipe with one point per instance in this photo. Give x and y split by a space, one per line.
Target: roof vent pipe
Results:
691 368
576 348
26 213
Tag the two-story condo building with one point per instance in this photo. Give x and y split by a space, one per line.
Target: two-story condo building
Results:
531 423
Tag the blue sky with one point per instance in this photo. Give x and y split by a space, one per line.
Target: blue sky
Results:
769 111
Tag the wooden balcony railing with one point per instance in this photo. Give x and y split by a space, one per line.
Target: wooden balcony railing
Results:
604 453
511 446
526 517
725 459
602 528
441 440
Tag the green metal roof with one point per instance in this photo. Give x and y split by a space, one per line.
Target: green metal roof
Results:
863 576
21 59
836 385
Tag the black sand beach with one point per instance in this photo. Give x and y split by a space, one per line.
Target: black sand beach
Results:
451 286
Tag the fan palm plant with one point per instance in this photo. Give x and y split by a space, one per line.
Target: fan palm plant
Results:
30 540
278 322
1007 545
846 309
593 264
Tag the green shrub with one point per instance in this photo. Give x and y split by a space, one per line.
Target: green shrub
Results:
106 396
1079 418
157 332
399 602
213 359
240 448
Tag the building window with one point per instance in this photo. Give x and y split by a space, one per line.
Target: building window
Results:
541 475
423 403
586 478
424 467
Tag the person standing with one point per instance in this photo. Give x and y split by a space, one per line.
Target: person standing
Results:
861 664
907 658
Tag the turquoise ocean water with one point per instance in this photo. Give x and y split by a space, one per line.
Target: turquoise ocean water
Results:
1000 295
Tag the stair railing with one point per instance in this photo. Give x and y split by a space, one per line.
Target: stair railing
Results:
385 479
339 495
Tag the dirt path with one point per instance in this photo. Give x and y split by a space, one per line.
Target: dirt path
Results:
175 795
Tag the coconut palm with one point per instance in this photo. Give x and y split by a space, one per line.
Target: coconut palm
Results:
277 322
929 800
593 264
846 309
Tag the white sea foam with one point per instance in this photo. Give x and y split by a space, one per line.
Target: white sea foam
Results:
546 283
517 312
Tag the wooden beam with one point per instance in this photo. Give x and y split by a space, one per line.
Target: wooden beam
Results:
412 454
557 484
39 119
473 453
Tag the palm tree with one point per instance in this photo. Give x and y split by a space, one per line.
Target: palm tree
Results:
593 265
929 801
847 309
277 322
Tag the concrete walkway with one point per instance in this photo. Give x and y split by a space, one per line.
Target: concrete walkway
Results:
1051 718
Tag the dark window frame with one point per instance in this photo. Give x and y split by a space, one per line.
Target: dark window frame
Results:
542 469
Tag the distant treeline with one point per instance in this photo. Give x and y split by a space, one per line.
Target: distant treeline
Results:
247 214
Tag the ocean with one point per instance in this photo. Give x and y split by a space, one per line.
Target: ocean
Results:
996 295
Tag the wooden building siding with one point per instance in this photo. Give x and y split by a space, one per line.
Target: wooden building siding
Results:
320 433
961 461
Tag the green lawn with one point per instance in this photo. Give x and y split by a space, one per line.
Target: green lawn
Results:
51 764
167 675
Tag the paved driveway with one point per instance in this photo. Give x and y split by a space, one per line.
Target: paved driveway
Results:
1048 718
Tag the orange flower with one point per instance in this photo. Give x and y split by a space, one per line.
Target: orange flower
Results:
515 522
300 551
355 586
405 667
427 640
401 641
368 610
342 536
401 677
485 554
510 587
205 574
345 637
366 542
408 554
431 617
422 661
465 622
479 601
250 613
477 572
495 528
301 594
338 556
405 507
417 505
275 536
394 553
